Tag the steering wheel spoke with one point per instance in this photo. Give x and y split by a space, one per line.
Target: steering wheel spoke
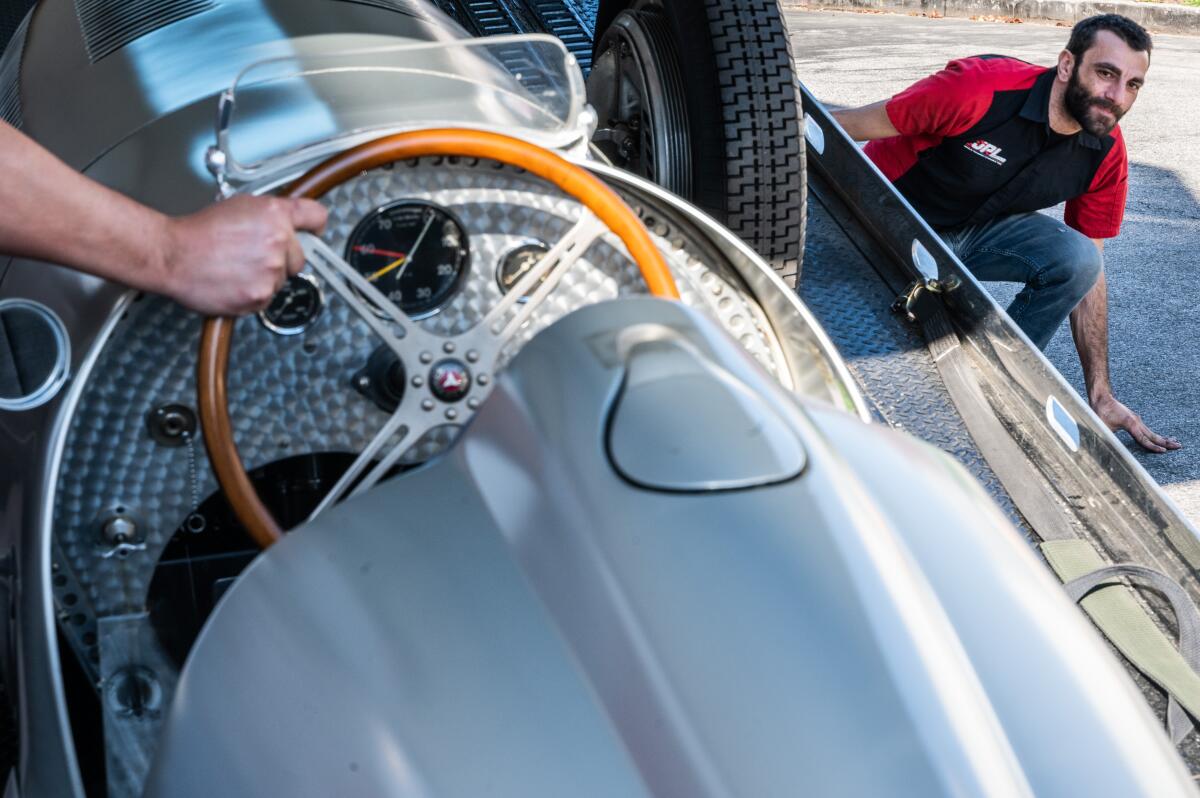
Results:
341 488
397 331
545 276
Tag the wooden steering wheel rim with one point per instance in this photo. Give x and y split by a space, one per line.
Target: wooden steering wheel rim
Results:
217 336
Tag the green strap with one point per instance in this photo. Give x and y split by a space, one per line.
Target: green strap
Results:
1126 624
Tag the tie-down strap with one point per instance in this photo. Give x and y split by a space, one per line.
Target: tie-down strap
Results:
1123 620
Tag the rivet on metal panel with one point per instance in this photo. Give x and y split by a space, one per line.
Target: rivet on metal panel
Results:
171 424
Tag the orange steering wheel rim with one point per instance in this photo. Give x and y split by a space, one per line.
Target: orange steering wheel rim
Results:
217 336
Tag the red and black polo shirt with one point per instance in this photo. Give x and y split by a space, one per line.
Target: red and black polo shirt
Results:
975 143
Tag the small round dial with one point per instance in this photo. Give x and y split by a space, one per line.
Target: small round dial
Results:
414 252
294 307
517 262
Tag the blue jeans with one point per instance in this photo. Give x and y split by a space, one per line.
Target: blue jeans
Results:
1057 264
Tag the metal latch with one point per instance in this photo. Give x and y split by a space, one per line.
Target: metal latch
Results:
919 300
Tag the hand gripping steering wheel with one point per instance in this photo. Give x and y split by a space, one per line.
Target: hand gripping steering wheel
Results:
419 410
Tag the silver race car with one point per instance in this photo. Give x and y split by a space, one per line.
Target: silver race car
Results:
538 481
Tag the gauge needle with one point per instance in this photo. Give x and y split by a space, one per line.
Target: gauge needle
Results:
516 275
366 249
397 262
403 259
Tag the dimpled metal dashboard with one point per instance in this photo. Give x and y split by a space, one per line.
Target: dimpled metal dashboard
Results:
293 394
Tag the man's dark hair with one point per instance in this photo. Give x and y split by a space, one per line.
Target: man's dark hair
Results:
1083 35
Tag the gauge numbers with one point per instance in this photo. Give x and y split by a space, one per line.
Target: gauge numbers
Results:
414 252
294 307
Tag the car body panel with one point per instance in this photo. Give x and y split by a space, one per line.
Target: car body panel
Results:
755 642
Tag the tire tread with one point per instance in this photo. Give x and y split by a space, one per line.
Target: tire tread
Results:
764 143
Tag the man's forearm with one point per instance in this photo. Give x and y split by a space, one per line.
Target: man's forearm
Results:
1089 327
867 123
48 211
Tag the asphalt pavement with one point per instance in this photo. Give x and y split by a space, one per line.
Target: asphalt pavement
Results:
1157 16
1153 267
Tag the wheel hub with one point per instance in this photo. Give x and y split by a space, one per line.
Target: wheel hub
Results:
637 90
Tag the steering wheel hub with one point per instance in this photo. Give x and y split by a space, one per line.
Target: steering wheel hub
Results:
450 380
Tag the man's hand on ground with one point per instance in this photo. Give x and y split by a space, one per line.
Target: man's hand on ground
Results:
1118 416
231 258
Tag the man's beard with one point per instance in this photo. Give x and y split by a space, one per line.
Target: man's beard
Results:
1082 106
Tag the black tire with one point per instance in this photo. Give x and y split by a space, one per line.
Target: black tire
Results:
745 121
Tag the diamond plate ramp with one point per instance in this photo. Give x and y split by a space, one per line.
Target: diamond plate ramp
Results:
887 356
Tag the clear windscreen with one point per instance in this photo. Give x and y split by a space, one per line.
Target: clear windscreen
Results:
280 110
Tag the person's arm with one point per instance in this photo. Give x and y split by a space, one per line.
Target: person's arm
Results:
229 258
1089 327
946 103
867 123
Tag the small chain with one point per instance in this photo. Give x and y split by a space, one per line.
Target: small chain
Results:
195 522
195 483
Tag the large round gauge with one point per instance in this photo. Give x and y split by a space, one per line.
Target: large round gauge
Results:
294 307
414 252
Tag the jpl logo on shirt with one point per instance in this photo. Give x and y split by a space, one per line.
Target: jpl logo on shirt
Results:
986 150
